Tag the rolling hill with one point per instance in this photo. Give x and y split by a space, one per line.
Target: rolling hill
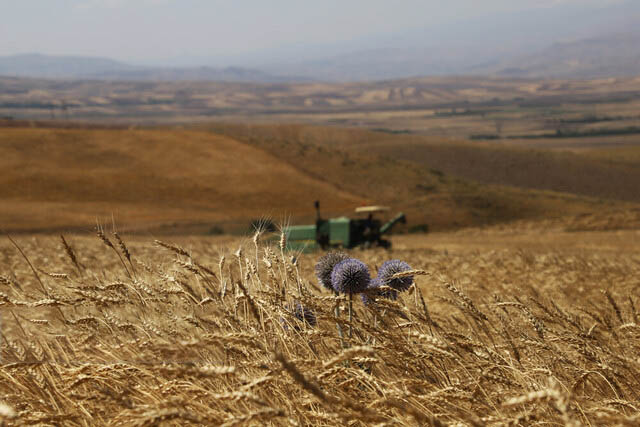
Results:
432 190
566 172
349 104
174 180
486 182
69 178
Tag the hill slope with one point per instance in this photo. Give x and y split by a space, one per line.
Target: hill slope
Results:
364 163
55 178
521 167
188 180
590 175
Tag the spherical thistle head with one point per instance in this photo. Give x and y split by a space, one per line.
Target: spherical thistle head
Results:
350 276
389 268
374 291
325 265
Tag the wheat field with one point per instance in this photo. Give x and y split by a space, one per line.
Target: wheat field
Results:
120 330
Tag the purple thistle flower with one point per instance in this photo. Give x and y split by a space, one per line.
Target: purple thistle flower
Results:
325 265
372 292
302 314
389 268
350 276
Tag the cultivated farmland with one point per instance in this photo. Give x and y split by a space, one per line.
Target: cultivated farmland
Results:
508 327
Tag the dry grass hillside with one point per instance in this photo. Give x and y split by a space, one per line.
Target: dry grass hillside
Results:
69 178
428 192
567 172
190 180
602 172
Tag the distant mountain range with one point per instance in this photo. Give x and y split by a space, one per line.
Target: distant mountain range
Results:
608 56
568 40
612 55
78 67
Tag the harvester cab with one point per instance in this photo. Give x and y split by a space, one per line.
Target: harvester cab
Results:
364 231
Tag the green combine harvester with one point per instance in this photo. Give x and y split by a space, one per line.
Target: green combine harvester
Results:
343 232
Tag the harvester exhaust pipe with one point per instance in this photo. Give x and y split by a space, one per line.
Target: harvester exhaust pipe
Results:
322 232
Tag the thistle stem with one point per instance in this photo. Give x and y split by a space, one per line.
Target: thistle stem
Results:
350 315
337 314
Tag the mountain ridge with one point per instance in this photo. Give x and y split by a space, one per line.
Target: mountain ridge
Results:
614 55
37 65
569 39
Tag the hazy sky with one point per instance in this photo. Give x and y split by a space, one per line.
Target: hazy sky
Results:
155 30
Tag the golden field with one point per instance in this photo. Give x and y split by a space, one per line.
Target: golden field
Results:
510 326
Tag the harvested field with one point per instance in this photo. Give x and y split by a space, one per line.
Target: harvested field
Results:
499 332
